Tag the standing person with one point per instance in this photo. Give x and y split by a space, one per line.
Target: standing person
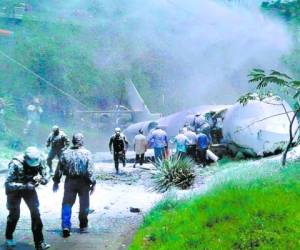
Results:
34 111
57 142
201 124
159 141
140 148
185 127
192 146
118 145
25 173
2 119
202 147
198 122
77 165
181 144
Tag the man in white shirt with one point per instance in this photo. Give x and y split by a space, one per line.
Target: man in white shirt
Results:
140 148
192 146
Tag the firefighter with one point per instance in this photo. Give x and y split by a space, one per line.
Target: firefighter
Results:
77 165
57 142
118 145
26 172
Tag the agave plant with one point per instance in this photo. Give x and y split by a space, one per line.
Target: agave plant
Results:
174 172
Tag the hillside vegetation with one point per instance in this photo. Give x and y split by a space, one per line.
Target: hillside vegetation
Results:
248 213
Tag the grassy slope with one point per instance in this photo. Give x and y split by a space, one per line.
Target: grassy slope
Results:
261 213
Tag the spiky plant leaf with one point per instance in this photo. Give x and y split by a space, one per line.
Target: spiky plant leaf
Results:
174 172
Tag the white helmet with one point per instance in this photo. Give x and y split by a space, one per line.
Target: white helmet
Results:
32 157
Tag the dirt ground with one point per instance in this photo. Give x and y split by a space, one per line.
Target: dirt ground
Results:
112 225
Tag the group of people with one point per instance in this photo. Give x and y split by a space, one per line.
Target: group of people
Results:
188 143
30 170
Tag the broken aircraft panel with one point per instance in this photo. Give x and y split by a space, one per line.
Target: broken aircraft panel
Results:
260 127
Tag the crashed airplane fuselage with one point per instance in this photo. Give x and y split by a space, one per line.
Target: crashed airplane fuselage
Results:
257 129
260 127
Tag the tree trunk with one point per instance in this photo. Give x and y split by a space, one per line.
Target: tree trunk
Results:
292 136
284 156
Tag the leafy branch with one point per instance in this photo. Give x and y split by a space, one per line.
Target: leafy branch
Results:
263 80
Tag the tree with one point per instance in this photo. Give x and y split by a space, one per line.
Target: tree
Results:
290 87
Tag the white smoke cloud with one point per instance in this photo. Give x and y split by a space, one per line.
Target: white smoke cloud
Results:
203 49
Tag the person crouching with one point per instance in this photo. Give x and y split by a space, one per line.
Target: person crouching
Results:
25 173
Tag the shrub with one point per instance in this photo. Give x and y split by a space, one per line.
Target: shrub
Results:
177 172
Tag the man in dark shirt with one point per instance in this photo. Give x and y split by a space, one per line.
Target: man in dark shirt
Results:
57 142
118 145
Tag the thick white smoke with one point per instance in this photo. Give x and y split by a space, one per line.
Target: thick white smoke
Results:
203 49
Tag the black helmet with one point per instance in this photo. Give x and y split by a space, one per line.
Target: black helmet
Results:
77 139
55 129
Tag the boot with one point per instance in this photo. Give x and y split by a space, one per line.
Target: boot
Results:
66 232
42 246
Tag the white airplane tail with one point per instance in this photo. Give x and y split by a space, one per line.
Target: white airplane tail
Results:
137 103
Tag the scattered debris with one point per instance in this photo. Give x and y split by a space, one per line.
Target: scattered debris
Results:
134 210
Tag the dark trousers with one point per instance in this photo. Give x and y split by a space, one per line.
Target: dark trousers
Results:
119 156
52 154
140 158
74 187
201 156
191 152
13 205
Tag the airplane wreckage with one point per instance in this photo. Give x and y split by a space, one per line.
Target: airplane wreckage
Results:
259 128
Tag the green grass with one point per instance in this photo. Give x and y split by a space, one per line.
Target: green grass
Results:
258 211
